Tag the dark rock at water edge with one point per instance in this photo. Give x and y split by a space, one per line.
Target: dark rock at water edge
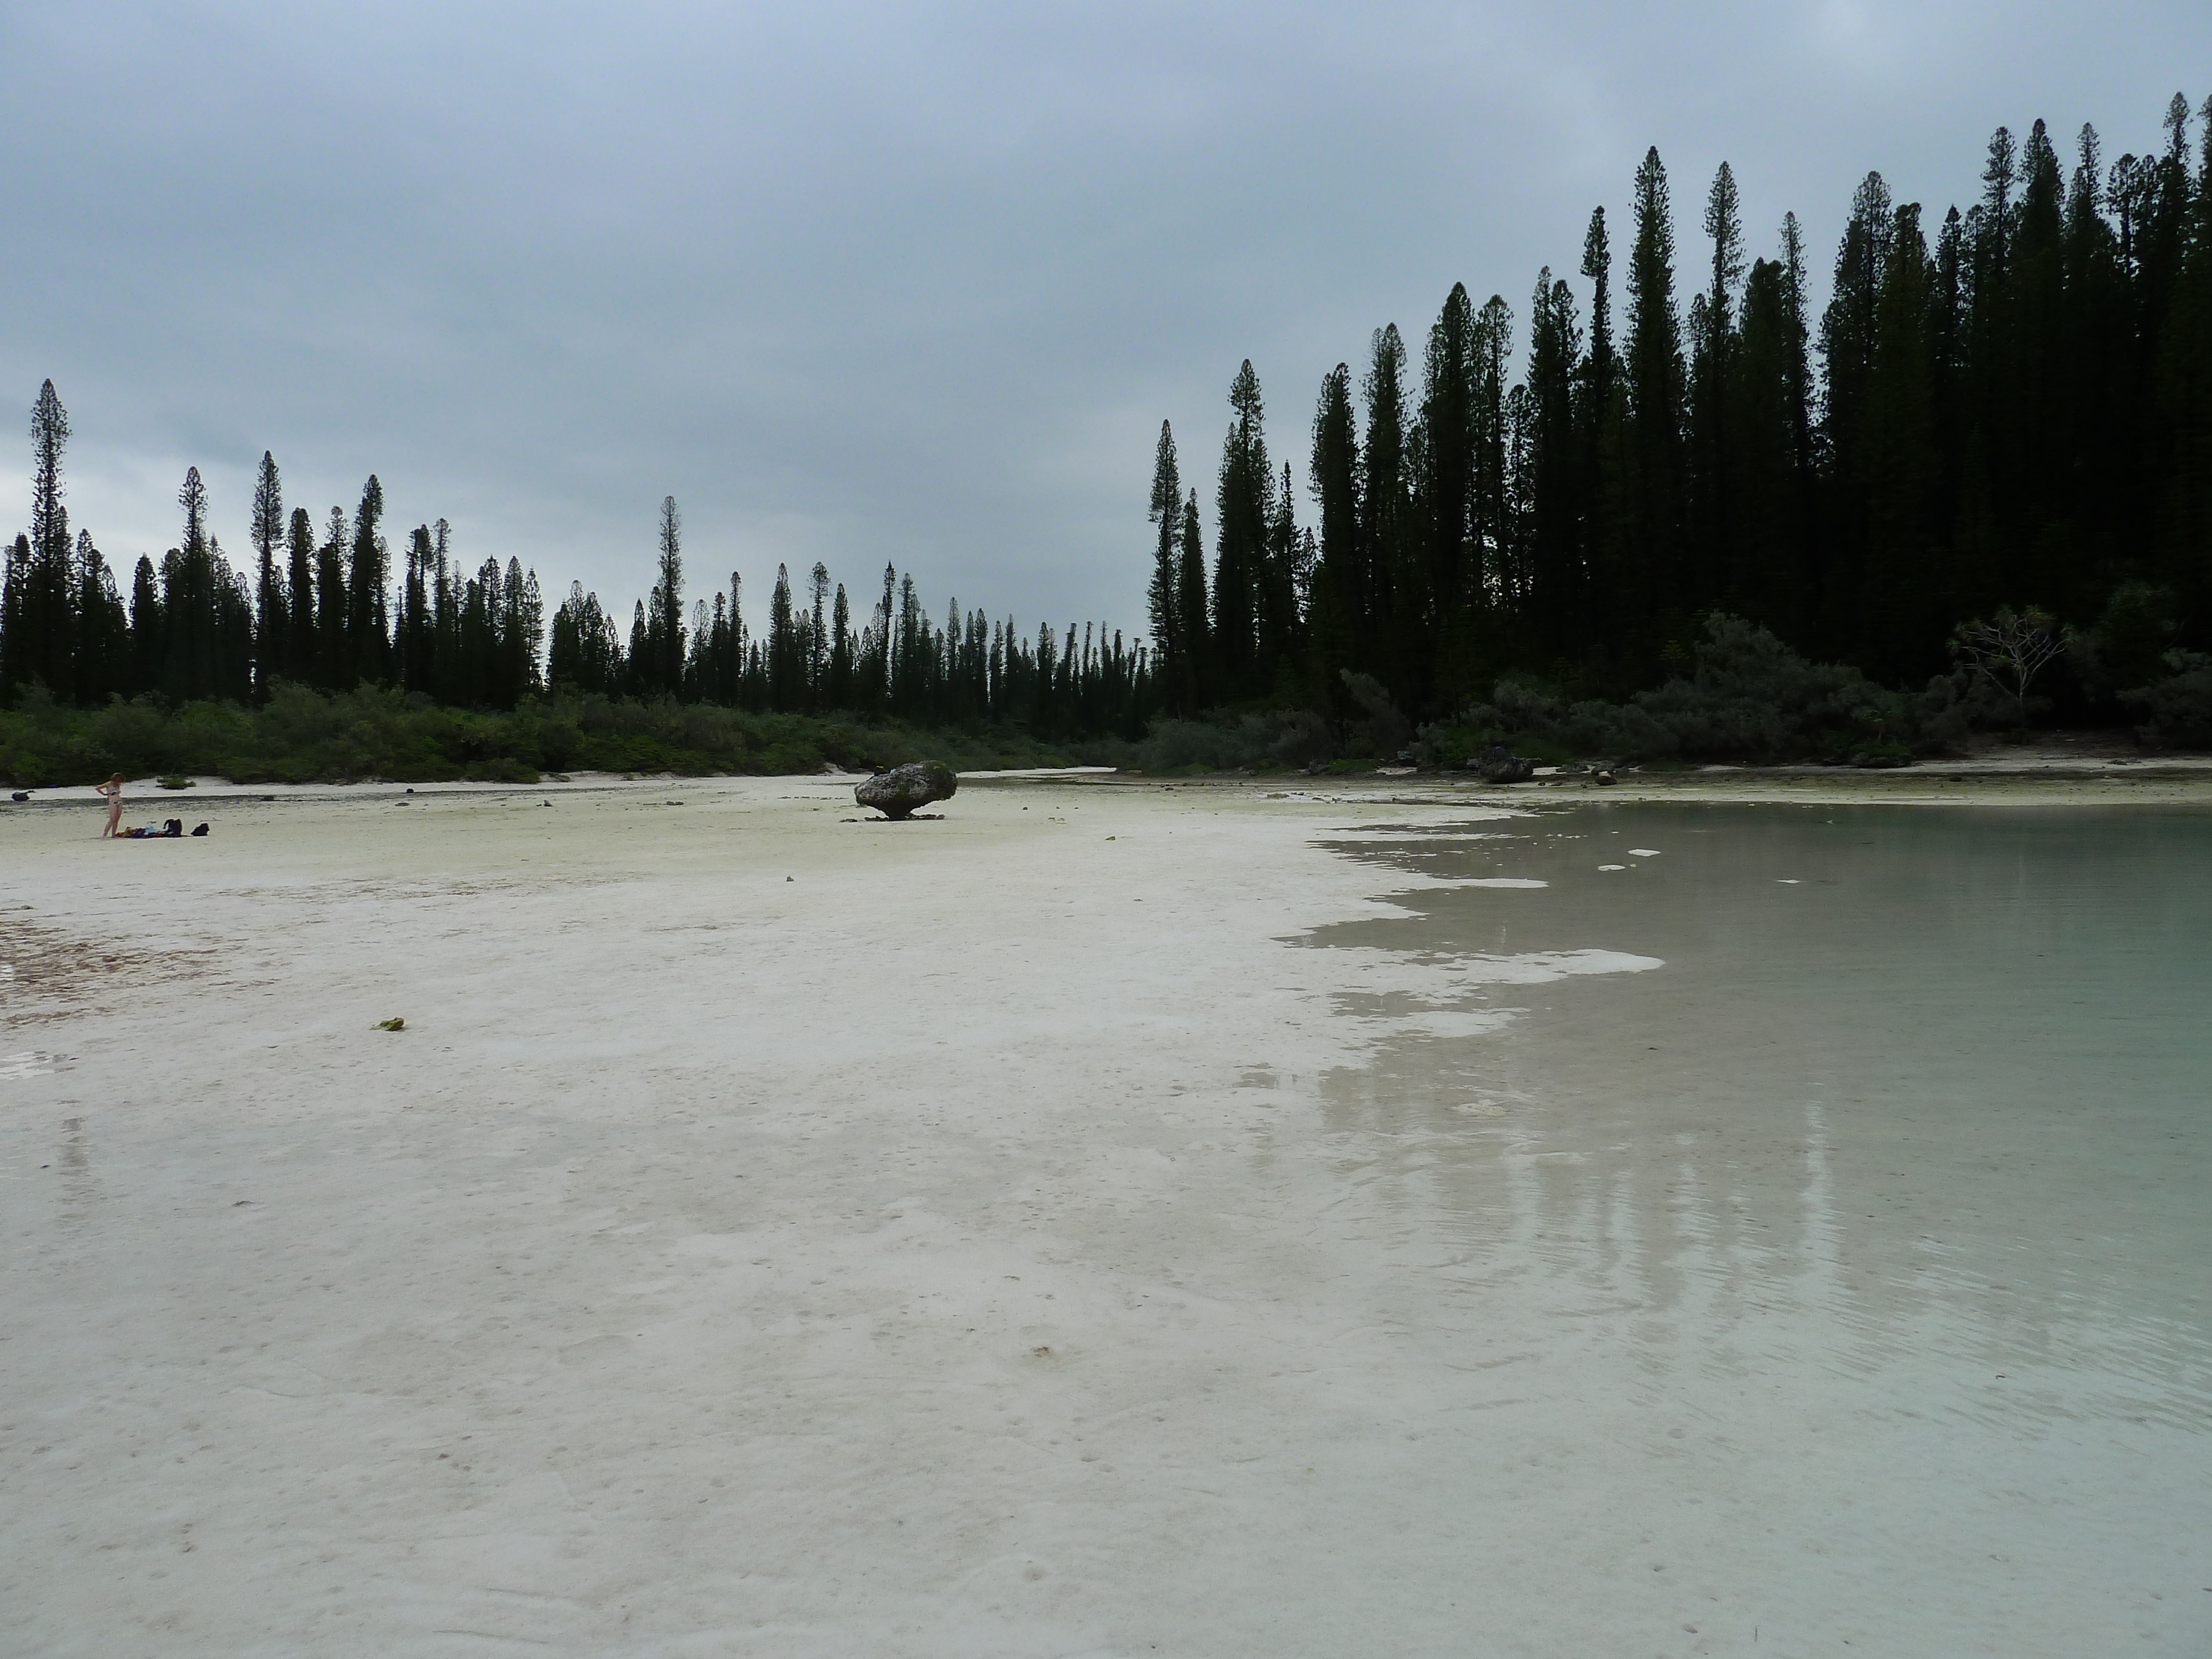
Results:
898 792
1496 765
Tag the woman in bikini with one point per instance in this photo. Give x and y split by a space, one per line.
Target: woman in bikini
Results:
114 790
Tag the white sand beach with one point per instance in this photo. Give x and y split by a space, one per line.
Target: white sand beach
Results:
777 1233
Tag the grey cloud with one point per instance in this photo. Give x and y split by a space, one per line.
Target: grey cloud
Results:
900 282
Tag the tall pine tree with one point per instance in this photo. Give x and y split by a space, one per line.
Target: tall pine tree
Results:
369 631
1338 619
1244 506
1169 645
272 618
1653 368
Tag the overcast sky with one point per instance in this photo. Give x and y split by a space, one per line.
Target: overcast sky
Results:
866 282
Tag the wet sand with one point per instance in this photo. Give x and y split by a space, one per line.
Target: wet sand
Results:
1112 1219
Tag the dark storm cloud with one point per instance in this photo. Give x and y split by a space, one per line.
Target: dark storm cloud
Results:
863 283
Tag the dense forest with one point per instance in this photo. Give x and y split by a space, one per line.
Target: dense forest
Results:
969 669
317 608
2008 406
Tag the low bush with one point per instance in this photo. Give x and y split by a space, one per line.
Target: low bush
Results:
301 735
1749 698
1270 740
2179 703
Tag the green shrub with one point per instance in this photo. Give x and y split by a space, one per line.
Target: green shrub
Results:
302 736
1749 698
2179 704
1268 740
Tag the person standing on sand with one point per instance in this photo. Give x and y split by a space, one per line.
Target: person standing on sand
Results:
114 790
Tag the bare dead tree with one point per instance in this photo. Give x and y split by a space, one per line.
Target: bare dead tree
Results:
2010 649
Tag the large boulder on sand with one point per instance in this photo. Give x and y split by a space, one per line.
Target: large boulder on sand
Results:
897 792
1499 765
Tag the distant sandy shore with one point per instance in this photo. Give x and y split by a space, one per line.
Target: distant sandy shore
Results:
775 1231
2059 772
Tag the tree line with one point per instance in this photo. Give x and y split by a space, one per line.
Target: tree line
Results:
897 663
315 608
324 608
2011 406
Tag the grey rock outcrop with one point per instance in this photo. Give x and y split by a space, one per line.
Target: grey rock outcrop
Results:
896 794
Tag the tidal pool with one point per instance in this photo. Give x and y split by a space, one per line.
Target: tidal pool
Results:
1860 1252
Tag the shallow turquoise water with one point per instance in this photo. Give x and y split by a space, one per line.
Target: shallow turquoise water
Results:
1891 1192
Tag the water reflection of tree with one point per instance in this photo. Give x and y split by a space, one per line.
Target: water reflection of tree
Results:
1859 1157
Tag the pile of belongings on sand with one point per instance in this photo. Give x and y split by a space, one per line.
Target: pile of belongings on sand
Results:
169 829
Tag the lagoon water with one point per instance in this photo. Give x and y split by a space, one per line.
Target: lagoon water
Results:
1857 1258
